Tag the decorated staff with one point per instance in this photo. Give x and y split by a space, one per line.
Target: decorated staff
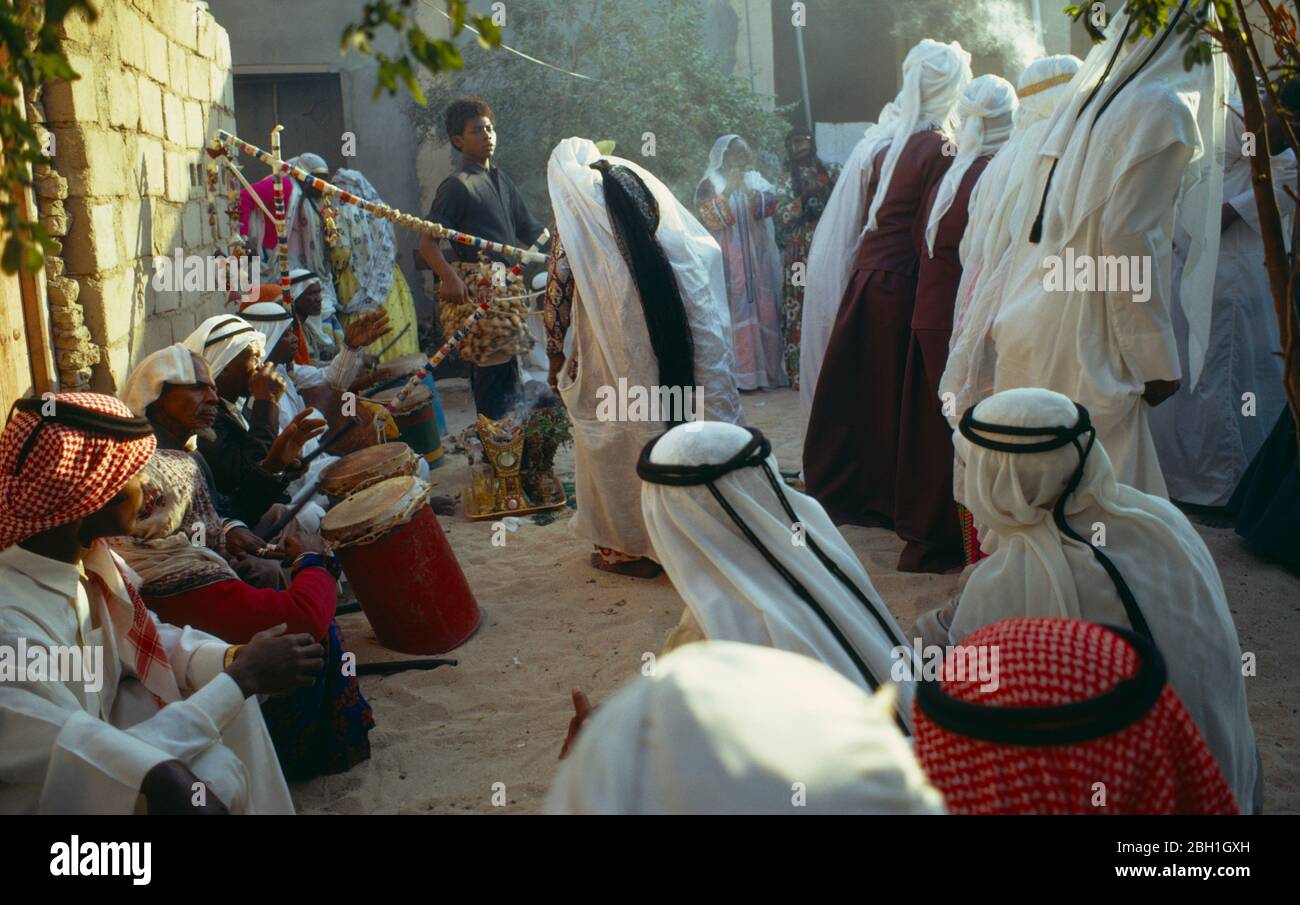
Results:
408 221
281 228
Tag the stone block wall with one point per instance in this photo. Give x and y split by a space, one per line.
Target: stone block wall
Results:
128 181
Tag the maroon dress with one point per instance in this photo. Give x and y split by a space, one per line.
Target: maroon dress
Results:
851 446
925 515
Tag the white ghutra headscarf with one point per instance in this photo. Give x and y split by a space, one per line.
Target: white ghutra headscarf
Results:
934 75
985 108
1034 569
725 728
752 570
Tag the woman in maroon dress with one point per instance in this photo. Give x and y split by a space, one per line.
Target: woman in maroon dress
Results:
852 440
925 514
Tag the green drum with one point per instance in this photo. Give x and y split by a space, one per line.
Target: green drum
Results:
416 422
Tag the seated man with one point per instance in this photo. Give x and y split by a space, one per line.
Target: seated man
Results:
316 730
169 712
760 563
1135 752
725 728
1065 539
252 459
173 390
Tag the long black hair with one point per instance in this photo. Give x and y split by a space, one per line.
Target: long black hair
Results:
634 215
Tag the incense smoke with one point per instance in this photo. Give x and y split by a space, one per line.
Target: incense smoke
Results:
1000 28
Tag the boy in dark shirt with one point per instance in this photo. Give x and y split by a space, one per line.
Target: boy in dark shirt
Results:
479 199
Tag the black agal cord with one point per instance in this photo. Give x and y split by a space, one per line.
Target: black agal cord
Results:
1065 724
1059 437
754 454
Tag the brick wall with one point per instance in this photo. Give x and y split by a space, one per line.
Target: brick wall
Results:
128 181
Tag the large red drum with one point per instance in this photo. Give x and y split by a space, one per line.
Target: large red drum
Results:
402 568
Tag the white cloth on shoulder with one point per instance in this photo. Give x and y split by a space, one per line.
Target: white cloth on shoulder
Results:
934 75
830 255
985 110
997 207
724 728
733 591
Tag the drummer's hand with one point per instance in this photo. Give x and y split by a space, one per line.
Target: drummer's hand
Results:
242 542
553 375
451 288
288 446
275 662
582 709
366 329
266 383
295 542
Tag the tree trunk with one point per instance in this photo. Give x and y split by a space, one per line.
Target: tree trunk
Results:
1270 219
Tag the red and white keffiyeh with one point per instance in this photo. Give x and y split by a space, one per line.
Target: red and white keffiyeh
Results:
1158 764
66 473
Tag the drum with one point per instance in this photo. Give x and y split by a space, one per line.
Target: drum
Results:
415 421
397 372
358 470
401 567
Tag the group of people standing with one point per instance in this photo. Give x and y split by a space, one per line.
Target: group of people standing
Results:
988 417
948 387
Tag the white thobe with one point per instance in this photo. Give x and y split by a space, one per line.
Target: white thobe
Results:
65 749
1208 434
1100 348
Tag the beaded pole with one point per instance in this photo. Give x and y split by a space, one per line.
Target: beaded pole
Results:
437 230
281 228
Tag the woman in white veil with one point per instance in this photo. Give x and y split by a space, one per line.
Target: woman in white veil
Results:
737 205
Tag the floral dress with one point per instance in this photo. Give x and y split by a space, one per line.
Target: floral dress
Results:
802 196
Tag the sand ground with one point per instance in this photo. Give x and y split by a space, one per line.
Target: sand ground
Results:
445 739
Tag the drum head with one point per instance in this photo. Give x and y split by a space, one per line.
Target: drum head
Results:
387 459
371 513
407 364
416 398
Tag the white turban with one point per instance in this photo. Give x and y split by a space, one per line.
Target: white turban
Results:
271 319
173 364
933 76
221 339
723 728
986 108
731 587
1033 569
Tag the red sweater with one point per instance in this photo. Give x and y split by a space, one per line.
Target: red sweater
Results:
235 611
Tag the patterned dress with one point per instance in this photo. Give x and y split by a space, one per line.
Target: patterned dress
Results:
801 198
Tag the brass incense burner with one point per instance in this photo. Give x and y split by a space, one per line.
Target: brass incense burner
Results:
497 481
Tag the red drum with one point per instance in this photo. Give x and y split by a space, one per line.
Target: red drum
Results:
402 568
